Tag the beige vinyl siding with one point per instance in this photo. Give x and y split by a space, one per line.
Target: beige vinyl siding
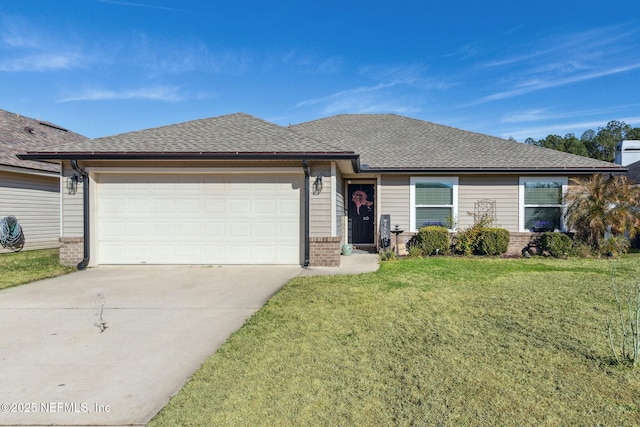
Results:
320 204
72 212
340 217
35 201
395 201
502 189
72 207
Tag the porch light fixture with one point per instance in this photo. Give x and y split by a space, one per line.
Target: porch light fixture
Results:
317 185
72 184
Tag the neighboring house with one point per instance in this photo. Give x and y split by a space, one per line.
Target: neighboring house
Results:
30 190
634 172
628 155
236 189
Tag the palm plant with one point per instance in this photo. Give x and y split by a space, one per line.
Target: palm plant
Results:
600 204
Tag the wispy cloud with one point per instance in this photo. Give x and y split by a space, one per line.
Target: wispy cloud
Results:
541 83
345 94
42 62
364 99
551 114
158 93
26 50
149 6
562 60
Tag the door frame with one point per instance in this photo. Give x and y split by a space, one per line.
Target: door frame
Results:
374 182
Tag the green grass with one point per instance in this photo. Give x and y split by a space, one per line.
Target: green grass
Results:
447 341
18 268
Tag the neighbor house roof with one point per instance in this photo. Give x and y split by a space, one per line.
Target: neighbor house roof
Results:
395 143
232 136
634 172
19 134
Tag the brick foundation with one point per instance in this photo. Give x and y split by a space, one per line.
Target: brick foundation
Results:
324 251
71 250
517 241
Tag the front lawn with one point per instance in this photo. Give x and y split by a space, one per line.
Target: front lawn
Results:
446 341
17 268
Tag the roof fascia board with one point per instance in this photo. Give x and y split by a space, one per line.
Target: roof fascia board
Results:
27 171
188 156
505 171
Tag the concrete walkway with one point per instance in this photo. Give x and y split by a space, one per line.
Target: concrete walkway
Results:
162 323
353 264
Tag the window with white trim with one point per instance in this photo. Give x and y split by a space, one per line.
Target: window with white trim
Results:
434 201
541 205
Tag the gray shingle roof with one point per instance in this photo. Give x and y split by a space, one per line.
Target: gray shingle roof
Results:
234 133
383 141
19 134
389 141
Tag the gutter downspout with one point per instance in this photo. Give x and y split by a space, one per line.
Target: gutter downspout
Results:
305 167
85 212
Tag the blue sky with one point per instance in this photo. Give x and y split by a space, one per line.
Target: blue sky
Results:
504 68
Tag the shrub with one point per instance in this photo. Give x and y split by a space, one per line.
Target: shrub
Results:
466 241
414 251
433 240
614 246
482 240
492 241
556 244
581 249
387 255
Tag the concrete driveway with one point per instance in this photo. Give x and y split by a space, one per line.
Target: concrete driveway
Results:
162 322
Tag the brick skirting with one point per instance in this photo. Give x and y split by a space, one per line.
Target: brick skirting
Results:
324 251
71 250
517 241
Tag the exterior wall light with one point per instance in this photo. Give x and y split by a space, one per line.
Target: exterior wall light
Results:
72 184
317 185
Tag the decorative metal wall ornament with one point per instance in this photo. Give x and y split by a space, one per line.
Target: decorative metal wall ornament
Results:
484 209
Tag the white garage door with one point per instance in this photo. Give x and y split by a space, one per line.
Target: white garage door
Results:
198 219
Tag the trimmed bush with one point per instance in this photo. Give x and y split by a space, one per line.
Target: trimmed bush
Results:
492 241
556 244
433 240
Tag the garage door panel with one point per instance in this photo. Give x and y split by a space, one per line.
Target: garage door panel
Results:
242 254
240 207
189 230
213 252
213 231
239 187
239 230
265 207
288 207
137 206
191 219
163 230
111 230
159 206
288 230
266 230
215 206
288 251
